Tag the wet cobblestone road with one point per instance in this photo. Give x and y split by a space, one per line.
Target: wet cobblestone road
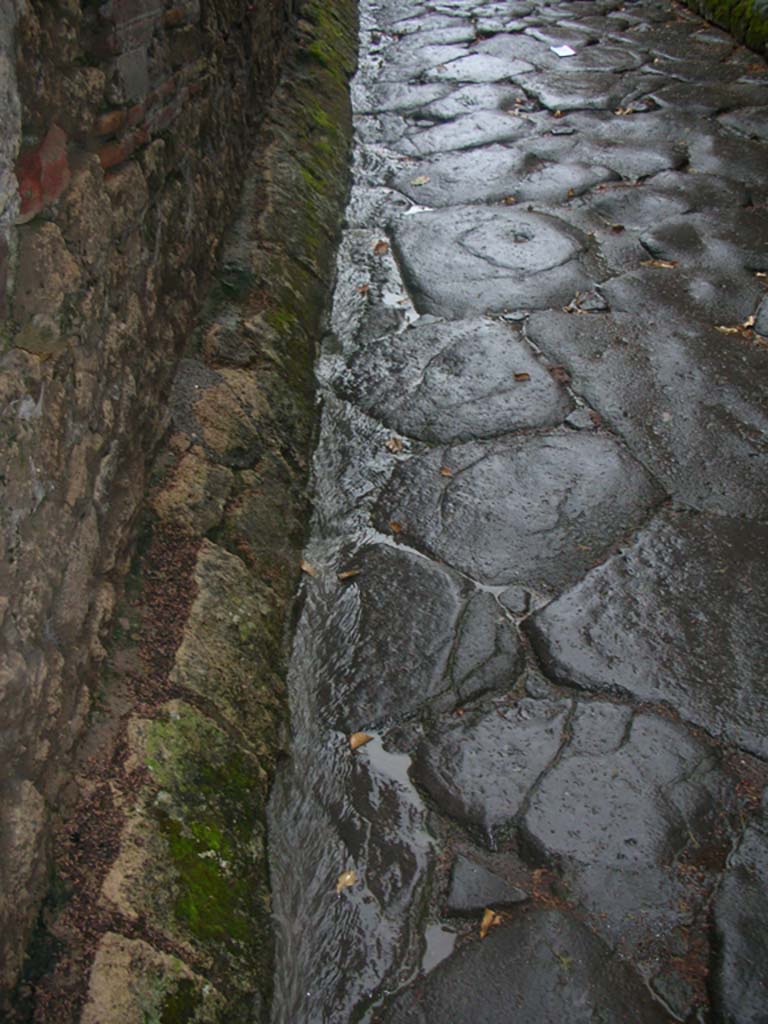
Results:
538 569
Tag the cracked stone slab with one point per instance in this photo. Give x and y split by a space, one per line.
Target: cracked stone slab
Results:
630 626
729 239
543 966
608 57
630 802
474 887
412 633
451 381
535 510
594 142
469 260
388 97
751 122
642 207
487 654
497 173
483 128
396 67
478 68
717 151
741 909
685 294
564 90
469 99
690 401
480 768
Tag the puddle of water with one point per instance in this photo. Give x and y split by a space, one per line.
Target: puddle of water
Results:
394 766
440 943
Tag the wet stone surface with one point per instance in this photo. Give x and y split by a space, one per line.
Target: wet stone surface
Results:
536 509
545 964
468 260
473 888
454 381
629 626
536 577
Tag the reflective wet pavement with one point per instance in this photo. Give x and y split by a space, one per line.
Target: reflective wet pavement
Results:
538 568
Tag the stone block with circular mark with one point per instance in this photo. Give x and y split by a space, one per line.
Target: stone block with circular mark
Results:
444 382
537 510
468 260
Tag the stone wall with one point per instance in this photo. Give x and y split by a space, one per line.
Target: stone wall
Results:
747 20
124 126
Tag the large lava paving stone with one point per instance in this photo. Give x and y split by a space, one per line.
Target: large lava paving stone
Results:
479 768
741 979
495 173
689 400
468 260
404 631
537 510
543 968
681 617
624 801
452 381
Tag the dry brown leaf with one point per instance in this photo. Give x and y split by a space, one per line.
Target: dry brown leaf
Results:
363 289
663 264
445 471
520 377
396 527
617 229
395 445
346 880
421 179
310 570
509 200
359 739
745 327
490 920
560 374
381 248
558 113
570 193
349 574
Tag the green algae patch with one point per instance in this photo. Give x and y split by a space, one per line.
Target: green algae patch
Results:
747 20
231 649
193 856
210 804
133 982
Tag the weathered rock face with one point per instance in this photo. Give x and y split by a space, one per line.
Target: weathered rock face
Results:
124 128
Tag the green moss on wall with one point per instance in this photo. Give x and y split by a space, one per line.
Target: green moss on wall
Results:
747 20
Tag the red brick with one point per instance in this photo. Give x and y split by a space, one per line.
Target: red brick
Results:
111 123
115 153
43 173
176 16
136 115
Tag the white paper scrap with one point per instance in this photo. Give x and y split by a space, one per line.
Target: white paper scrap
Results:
563 51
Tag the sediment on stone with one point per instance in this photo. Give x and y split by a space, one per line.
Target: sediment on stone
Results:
161 904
